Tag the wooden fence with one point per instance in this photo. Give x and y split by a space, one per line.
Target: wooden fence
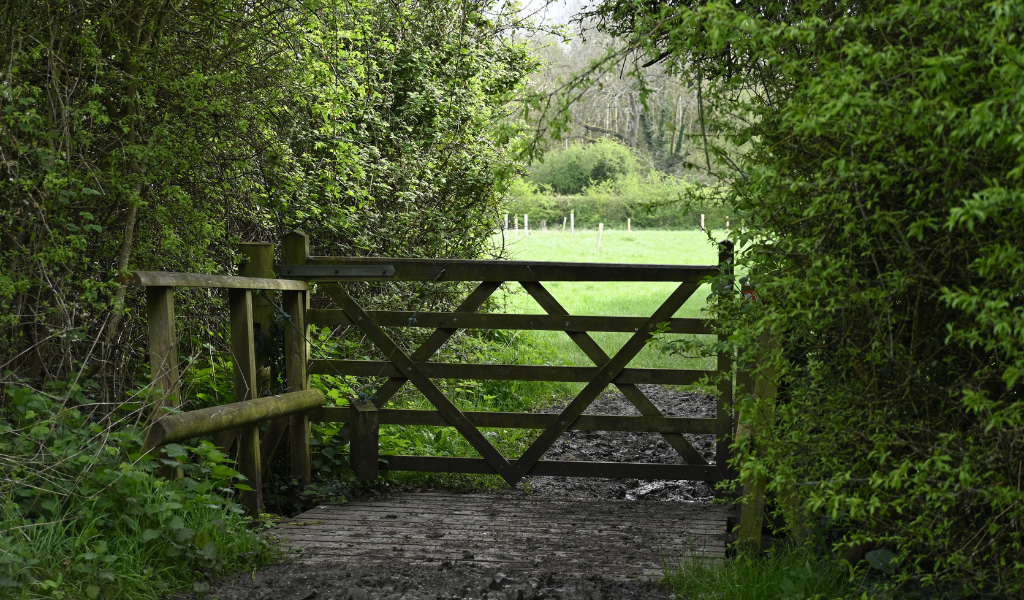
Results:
290 414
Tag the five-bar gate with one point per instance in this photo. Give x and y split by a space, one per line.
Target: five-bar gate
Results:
366 415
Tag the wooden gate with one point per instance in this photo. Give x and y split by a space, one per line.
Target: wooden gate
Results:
366 415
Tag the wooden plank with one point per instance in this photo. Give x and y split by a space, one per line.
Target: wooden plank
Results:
389 416
423 383
607 373
373 368
469 320
294 249
597 354
557 468
437 339
365 439
429 269
243 355
171 279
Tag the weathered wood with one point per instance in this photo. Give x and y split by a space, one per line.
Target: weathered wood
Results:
556 468
365 438
427 387
170 279
243 355
607 373
206 421
619 539
468 320
600 358
374 368
163 360
437 339
390 416
726 259
163 350
249 467
295 249
429 269
754 427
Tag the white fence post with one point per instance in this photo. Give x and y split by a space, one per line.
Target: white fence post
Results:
701 222
600 230
526 224
572 223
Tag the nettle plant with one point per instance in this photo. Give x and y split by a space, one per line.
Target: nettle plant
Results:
84 514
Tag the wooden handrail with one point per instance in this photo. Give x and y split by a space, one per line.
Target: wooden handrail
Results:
172 279
182 426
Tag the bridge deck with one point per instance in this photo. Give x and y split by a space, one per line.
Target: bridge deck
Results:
616 539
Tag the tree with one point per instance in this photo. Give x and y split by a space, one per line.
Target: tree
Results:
137 134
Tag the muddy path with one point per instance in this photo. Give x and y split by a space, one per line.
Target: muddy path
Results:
295 580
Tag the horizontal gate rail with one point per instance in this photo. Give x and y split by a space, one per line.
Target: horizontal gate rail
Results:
466 320
428 269
397 416
374 368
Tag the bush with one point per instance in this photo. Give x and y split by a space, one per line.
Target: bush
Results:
570 170
651 201
878 159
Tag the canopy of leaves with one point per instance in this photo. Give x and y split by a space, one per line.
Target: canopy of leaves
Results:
138 134
875 149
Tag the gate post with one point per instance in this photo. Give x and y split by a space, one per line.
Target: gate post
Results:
244 358
294 250
163 359
725 411
365 440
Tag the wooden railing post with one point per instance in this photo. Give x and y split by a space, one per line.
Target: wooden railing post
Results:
725 388
294 250
259 262
365 439
762 385
244 358
163 359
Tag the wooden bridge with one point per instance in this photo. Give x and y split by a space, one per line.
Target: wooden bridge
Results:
287 416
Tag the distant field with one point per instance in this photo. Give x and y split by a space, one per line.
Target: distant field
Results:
612 298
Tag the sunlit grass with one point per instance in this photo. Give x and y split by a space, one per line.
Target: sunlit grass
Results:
639 299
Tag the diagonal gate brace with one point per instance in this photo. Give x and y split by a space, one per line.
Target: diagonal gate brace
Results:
604 376
405 364
600 358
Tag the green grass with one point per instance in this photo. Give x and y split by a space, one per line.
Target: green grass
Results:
782 574
612 298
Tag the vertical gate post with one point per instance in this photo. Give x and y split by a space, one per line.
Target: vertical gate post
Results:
365 440
163 358
724 414
259 262
294 250
244 359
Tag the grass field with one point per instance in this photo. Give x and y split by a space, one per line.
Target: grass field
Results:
612 298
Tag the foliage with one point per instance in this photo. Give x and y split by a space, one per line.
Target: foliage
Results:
84 515
879 168
651 201
576 167
605 182
782 574
140 135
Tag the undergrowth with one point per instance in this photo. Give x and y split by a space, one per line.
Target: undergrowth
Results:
84 515
785 573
